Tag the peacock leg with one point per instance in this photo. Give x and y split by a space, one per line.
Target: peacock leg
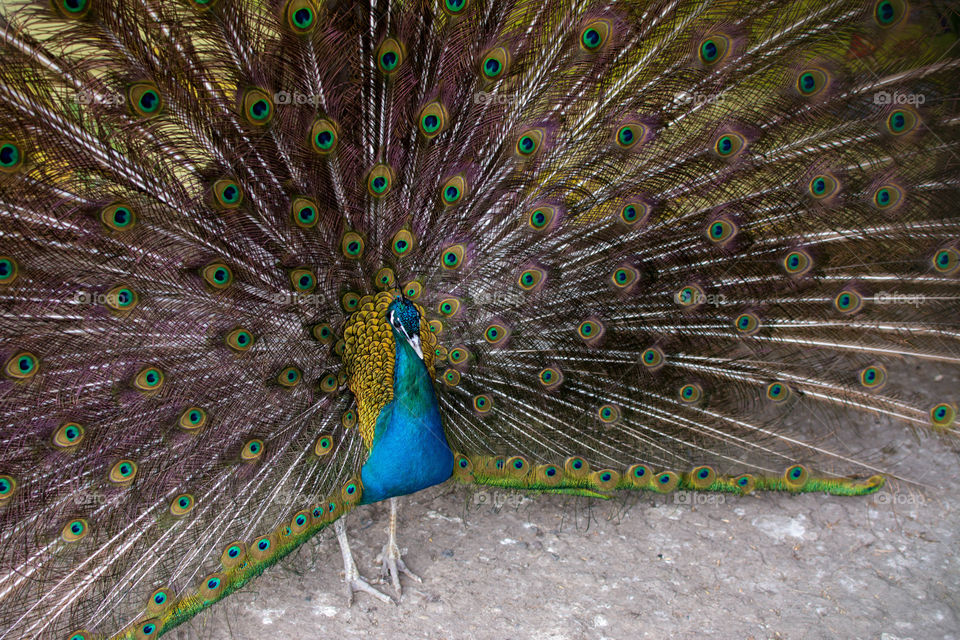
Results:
354 581
392 562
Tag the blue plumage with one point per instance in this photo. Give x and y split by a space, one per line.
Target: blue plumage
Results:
410 451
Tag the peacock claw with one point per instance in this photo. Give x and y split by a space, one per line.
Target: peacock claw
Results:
356 583
351 576
390 559
392 565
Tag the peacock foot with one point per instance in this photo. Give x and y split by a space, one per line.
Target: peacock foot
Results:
392 565
351 576
391 560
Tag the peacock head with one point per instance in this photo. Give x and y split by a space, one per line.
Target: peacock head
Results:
405 320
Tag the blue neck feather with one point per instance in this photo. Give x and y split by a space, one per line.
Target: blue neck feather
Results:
410 450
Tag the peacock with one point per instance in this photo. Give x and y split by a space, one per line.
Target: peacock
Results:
263 262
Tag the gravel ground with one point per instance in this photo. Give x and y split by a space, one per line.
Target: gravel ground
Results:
677 566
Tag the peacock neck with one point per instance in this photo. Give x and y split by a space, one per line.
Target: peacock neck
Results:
410 450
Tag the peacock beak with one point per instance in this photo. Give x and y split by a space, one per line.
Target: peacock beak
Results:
415 343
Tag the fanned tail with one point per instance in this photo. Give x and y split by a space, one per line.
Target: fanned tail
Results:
661 245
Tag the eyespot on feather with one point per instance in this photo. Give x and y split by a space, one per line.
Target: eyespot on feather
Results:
69 435
217 275
73 9
541 218
304 212
494 64
121 299
889 13
227 194
702 477
303 280
75 530
324 136
812 82
795 477
8 487
9 270
11 156
639 475
713 49
289 377
239 340
529 143
380 180
402 244
182 504
118 216
149 380
252 450
433 119
605 479
455 8
323 445
352 245
145 99
390 55
211 587
22 366
576 467
123 472
234 554
300 16
665 482
595 35
453 190
192 419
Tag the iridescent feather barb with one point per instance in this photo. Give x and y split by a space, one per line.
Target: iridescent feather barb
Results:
256 256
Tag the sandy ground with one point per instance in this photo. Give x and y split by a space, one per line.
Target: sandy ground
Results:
677 566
